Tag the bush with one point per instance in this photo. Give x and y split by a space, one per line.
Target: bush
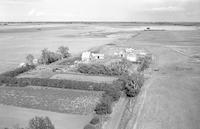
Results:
105 106
132 83
40 123
95 120
89 126
63 51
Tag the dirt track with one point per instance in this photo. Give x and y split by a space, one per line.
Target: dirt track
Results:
172 99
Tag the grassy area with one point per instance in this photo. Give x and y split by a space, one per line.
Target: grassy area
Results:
57 100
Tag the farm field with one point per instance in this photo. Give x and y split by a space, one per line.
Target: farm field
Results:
12 117
51 99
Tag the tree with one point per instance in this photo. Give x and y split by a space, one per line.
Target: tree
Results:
48 57
63 51
40 123
29 59
104 107
132 83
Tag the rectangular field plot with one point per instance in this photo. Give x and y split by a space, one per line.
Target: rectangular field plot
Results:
79 77
12 117
52 99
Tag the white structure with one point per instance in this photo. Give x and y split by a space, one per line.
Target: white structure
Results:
97 56
131 57
86 56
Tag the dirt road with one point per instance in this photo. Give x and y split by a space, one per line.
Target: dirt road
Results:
171 99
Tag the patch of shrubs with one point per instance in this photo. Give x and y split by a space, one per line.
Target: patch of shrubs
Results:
114 69
103 108
131 84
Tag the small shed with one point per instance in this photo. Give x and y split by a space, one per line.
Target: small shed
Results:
86 56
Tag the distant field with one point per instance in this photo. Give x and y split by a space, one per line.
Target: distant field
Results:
52 99
77 77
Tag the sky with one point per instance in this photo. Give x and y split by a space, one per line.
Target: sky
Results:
100 10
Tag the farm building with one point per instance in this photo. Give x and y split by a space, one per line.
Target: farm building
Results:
97 56
87 56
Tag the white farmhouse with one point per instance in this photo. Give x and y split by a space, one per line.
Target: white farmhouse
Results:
97 56
86 56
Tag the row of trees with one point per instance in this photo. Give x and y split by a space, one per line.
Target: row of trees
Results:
48 56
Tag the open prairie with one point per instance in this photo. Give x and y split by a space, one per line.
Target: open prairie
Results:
170 99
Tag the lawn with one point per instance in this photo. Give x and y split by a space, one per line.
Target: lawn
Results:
51 99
